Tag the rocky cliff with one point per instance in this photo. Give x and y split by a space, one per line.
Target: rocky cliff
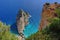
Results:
48 12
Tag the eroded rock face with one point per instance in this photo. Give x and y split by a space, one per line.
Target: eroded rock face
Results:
22 20
48 12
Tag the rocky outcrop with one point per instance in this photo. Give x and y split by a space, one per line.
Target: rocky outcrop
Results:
22 20
48 12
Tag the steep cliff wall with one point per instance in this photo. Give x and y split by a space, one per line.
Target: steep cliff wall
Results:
48 12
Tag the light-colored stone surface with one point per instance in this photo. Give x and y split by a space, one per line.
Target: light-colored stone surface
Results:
22 22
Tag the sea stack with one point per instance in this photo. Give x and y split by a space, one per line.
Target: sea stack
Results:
22 20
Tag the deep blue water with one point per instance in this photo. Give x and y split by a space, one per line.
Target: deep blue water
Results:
9 9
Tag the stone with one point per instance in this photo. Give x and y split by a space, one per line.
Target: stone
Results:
48 12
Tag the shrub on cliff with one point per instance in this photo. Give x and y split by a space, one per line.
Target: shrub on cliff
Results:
58 12
5 33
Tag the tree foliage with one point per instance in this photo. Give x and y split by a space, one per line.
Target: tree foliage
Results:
5 32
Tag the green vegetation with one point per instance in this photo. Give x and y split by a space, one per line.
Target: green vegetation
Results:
51 32
58 12
5 33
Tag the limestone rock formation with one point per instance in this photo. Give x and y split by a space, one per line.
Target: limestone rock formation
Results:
22 20
48 12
